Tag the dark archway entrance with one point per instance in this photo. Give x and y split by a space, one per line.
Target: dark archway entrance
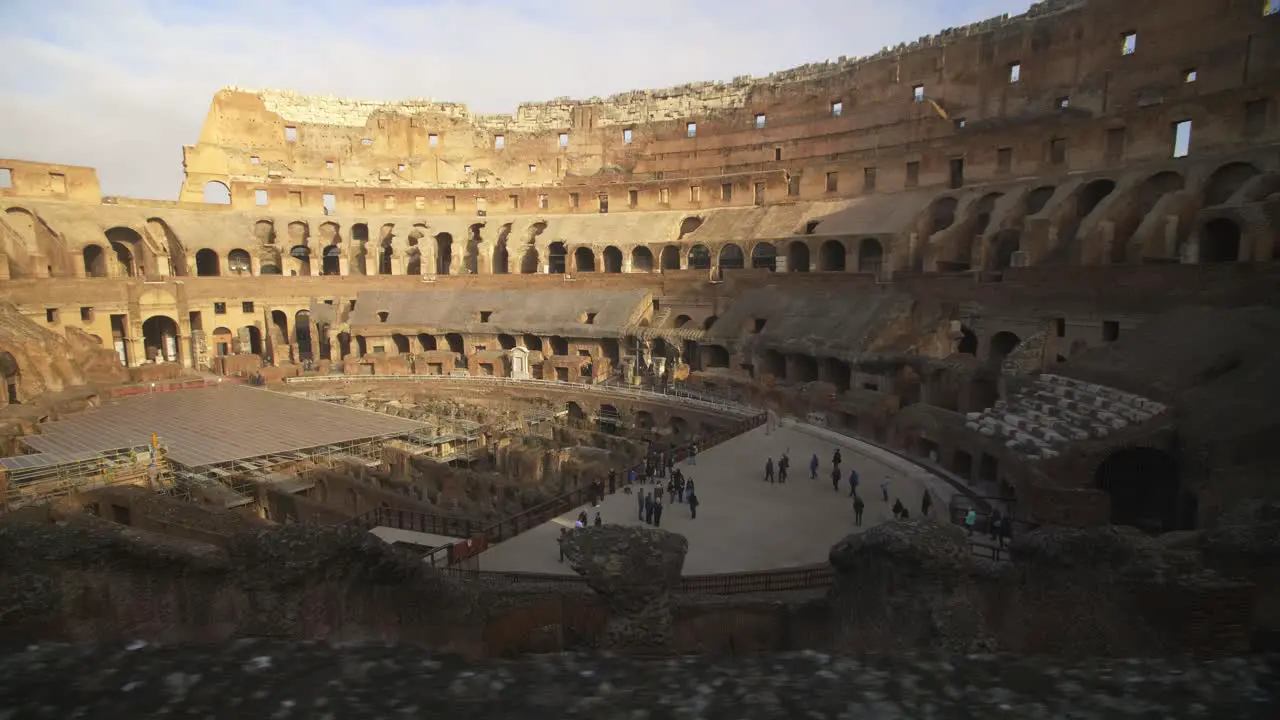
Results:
557 259
1220 241
9 370
160 339
95 261
1143 483
1002 344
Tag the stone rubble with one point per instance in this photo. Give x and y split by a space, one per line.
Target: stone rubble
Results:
257 678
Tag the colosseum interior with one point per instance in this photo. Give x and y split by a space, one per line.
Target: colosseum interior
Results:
1036 258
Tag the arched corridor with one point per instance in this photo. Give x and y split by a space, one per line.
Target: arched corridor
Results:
1220 241
207 263
529 263
160 339
641 260
670 258
732 257
612 259
584 260
1144 486
11 373
797 257
764 256
699 258
831 256
1001 346
870 256
557 258
95 261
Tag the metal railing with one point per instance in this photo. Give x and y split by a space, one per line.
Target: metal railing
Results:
683 397
818 576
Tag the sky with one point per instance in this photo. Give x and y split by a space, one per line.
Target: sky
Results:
122 85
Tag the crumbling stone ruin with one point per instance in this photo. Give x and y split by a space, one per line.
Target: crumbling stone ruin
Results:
1045 269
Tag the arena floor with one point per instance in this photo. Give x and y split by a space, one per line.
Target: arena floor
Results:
744 523
213 425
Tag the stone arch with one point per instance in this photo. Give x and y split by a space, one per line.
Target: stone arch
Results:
557 258
401 343
471 257
532 343
160 229
1220 241
709 322
689 225
1038 198
773 363
1144 484
208 264
529 263
444 253
454 341
670 258
681 321
302 334
128 248
607 420
501 263
386 248
806 367
968 344
95 261
331 260
699 257
679 426
12 374
358 250
506 341
643 420
1225 181
427 342
1091 195
942 214
278 331
575 412
764 256
264 231
584 260
732 257
559 346
222 340
239 262
641 259
611 259
1002 345
831 256
870 256
1005 243
254 336
160 339
798 256
717 356
982 213
1145 197
217 193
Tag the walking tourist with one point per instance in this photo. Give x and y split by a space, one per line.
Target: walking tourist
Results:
926 503
813 467
598 521
884 488
560 541
858 507
648 506
898 508
853 482
768 470
693 506
835 478
582 518
970 519
613 481
640 504
657 511
693 454
783 464
688 485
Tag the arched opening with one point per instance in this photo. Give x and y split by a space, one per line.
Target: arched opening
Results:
501 263
559 346
222 341
444 253
709 322
612 350
715 356
670 258
942 215
10 371
238 262
401 342
426 342
1091 195
127 245
359 250
471 259
644 420
584 260
454 341
699 258
269 269
253 336
732 257
506 342
279 335
773 363
607 419
529 263
1226 181
207 263
1220 241
806 368
968 344
1002 344
1143 483
612 258
385 255
764 256
344 345
1038 198
797 257
831 256
331 262
1145 199
302 334
160 339
837 372
984 208
870 256
216 193
1006 242
265 232
532 343
689 225
575 412
557 258
641 259
679 426
362 346
681 321
413 261
95 261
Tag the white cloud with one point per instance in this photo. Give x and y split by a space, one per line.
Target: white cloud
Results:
121 85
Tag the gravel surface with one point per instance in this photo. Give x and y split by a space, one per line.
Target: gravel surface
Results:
272 679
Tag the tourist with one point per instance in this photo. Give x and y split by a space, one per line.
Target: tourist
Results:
835 459
679 489
970 519
853 482
906 514
835 478
662 463
613 481
598 521
631 476
768 470
657 511
1006 530
884 488
564 531
783 464
582 518
813 467
993 524
649 501
926 503
640 504
693 454
579 523
671 490
858 507
693 506
671 462
898 508
688 485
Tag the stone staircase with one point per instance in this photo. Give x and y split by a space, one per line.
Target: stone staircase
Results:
1055 410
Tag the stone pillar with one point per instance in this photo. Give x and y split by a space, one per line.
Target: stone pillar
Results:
39 265
635 571
4 267
344 266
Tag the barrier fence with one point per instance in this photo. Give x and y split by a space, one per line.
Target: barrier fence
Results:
818 576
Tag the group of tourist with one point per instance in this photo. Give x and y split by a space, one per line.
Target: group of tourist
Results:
999 527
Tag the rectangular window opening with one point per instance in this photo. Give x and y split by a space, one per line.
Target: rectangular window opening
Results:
868 179
1110 331
543 202
793 185
533 168
913 173
664 196
1115 143
1255 117
957 173
574 200
1128 43
86 314
1058 151
6 178
695 193
726 191
626 136
603 202
328 164
515 201
499 142
833 181
51 315
1182 138
291 134
1015 72
485 315
759 193
1189 76
837 108
1062 103
255 160
564 140
419 202
760 120
691 129
358 200
777 154
633 198
246 306
1004 159
219 308
917 93
433 140
260 197
450 203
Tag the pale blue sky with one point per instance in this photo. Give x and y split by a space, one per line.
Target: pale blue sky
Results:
121 85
